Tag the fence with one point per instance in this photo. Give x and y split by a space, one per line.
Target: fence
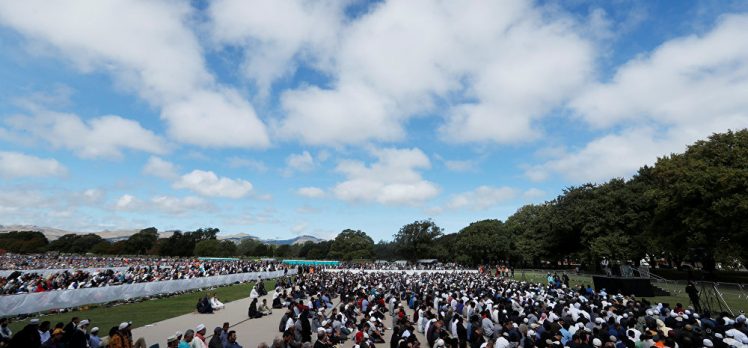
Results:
42 301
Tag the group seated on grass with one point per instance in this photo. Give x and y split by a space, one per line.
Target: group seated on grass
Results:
150 270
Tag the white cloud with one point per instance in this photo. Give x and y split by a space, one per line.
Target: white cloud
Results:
273 33
100 137
255 165
311 192
299 228
177 205
302 162
392 179
533 193
683 91
127 202
482 197
160 168
91 196
489 60
207 183
460 166
149 49
15 165
610 156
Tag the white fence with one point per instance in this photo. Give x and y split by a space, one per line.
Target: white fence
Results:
42 301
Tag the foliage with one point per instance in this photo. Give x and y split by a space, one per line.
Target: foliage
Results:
139 243
75 243
183 244
351 245
23 241
414 240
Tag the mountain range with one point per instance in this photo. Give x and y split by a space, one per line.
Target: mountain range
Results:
117 235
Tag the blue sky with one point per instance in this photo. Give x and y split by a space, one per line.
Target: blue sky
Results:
308 117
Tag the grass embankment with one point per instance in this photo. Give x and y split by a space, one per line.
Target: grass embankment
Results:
734 297
147 311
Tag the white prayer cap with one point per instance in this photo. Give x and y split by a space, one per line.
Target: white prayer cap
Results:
200 328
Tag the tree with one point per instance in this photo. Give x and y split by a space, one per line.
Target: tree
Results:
208 247
248 247
139 243
23 242
415 239
351 245
485 241
75 243
282 250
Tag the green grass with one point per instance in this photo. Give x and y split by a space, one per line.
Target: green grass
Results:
733 297
146 312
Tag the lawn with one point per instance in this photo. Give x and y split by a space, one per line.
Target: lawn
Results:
734 298
148 311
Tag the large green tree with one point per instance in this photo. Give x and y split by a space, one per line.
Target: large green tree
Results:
352 245
75 243
484 241
23 241
415 240
139 243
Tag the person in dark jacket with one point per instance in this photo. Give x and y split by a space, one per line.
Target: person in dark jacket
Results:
253 312
215 341
79 338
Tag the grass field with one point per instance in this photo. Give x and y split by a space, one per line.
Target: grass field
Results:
734 298
148 311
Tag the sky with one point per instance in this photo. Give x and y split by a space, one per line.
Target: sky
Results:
286 118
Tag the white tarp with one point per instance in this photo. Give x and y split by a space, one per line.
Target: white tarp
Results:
5 272
42 301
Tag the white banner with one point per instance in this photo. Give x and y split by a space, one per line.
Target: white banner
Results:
5 272
42 301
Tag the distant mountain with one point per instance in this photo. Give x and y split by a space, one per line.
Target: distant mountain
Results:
293 241
117 235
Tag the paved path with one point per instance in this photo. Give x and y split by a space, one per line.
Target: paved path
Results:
250 332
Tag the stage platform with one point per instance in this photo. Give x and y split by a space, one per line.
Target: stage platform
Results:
639 287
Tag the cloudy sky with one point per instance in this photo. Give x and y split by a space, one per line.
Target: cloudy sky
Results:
282 118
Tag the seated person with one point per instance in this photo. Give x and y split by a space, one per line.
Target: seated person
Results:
215 303
203 305
253 312
264 309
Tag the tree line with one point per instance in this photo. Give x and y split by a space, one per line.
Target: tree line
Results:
687 207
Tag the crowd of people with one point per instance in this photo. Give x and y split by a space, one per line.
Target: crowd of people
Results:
150 270
10 261
444 310
399 266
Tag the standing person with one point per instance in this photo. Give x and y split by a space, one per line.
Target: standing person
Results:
93 338
121 339
55 340
27 337
187 339
199 340
215 341
172 342
44 332
232 341
5 333
79 338
225 333
693 295
69 329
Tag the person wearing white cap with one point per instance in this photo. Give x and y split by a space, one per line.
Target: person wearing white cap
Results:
94 341
172 342
199 340
78 339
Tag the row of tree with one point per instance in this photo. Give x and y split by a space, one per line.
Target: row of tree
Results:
688 207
